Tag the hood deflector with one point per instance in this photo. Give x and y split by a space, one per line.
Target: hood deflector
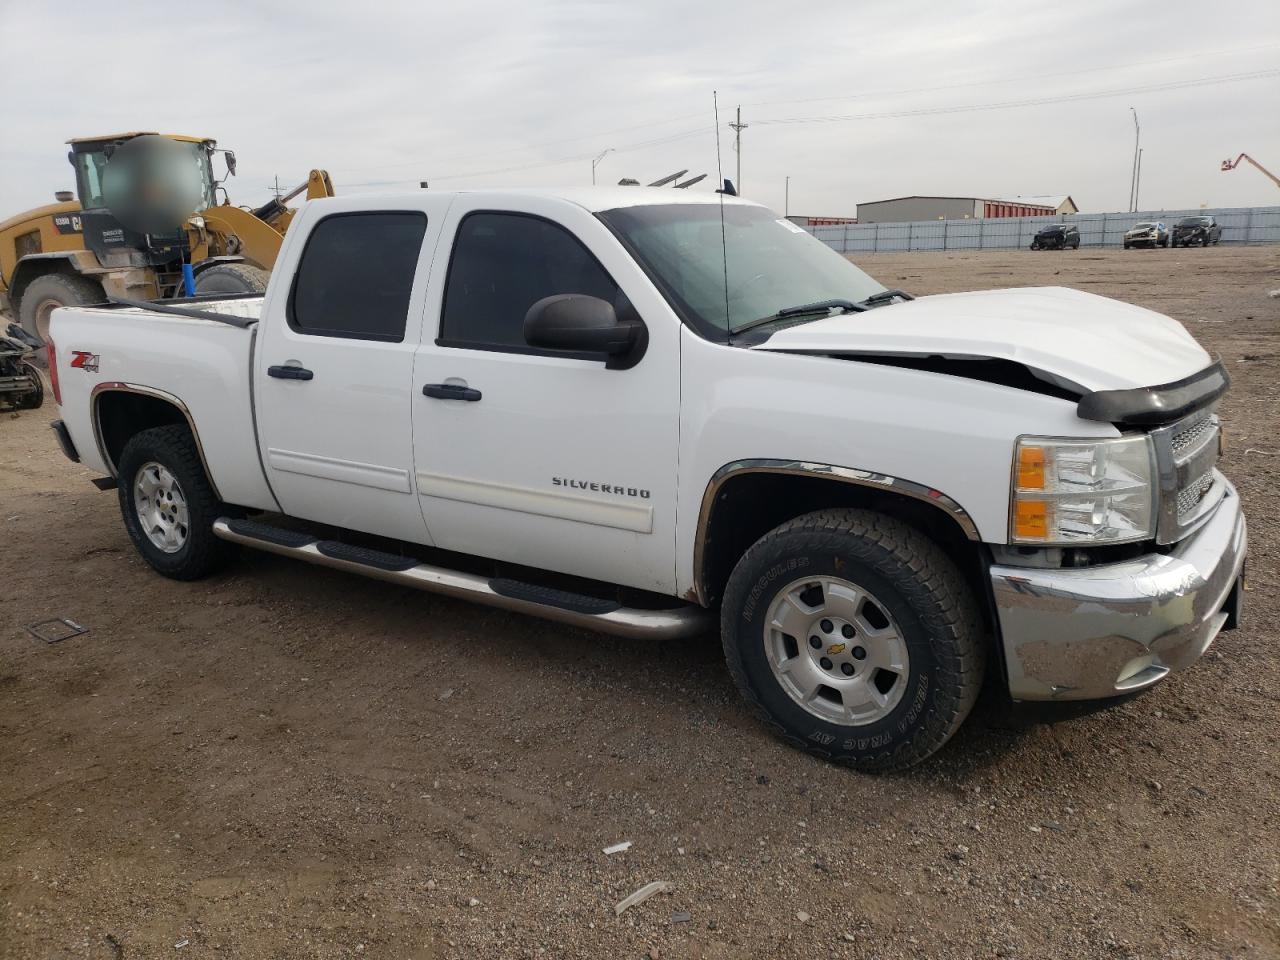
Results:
1149 406
1133 407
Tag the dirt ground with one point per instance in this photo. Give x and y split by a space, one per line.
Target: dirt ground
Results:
285 761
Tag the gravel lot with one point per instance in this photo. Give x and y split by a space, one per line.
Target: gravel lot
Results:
285 761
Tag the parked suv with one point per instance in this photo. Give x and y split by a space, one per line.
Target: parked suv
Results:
1057 236
1201 230
1147 234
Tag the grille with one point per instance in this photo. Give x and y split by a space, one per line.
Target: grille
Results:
1187 454
1190 496
1191 437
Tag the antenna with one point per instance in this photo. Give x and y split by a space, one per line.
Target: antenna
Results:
724 252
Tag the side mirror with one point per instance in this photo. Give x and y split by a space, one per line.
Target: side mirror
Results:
577 323
230 157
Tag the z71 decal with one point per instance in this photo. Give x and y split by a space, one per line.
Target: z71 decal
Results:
84 360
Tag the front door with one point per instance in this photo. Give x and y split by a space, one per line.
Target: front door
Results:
531 456
335 369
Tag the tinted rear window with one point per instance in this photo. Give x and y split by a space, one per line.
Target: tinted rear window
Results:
356 276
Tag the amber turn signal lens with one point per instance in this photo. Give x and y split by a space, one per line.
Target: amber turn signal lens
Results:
1031 521
1031 462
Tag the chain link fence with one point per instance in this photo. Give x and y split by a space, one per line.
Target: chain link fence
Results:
1239 225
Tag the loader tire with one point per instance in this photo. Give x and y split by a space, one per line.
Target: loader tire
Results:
230 278
854 637
45 294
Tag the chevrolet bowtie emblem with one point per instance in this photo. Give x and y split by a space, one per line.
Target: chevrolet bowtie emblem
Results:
835 648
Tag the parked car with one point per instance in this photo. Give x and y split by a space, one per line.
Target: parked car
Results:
1057 236
653 416
1147 234
1196 230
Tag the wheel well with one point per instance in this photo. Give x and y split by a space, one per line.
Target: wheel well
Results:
749 505
122 414
32 269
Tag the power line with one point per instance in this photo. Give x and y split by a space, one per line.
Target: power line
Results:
876 94
1030 102
882 115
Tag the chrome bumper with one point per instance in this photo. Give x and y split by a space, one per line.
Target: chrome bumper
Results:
1095 632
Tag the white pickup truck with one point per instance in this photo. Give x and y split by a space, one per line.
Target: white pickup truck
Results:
638 413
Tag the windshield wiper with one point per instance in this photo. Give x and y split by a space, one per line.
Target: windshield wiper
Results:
821 306
885 296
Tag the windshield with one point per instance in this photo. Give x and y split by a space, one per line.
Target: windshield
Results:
771 264
90 166
1143 226
1194 222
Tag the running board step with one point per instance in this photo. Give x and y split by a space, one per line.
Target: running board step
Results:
579 610
392 562
281 537
551 597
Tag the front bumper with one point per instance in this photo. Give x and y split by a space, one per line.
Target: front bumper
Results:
1095 632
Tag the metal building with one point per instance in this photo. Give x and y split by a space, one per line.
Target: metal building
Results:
906 209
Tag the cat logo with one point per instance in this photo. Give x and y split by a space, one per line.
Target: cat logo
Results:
835 648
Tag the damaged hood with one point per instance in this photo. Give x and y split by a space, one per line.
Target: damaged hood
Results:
1076 340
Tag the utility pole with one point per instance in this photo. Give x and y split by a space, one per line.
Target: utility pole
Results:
596 162
279 192
1137 181
786 200
1133 177
737 127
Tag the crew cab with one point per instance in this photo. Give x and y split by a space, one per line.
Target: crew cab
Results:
657 416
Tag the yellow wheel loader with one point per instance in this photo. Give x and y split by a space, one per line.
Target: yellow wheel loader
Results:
76 252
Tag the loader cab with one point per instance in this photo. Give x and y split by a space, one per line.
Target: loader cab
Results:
117 244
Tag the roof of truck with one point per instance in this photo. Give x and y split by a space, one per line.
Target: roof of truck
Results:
594 199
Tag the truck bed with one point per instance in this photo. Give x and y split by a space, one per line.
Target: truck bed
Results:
203 365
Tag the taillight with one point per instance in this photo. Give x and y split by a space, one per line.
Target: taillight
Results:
53 373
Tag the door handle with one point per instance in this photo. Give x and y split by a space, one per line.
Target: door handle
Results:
289 373
450 391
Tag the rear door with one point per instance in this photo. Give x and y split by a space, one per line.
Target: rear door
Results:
334 368
535 457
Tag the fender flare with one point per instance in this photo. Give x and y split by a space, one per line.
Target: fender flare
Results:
27 268
850 475
116 386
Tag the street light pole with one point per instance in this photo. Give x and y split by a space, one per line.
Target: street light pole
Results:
1133 177
1137 180
786 200
596 162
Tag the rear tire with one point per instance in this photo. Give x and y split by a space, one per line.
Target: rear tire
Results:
169 505
45 294
899 652
231 278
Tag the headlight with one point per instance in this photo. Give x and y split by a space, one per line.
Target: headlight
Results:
1068 492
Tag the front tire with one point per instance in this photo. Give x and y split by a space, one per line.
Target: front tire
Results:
854 637
169 505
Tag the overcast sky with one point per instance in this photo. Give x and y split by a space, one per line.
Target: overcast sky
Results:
520 92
